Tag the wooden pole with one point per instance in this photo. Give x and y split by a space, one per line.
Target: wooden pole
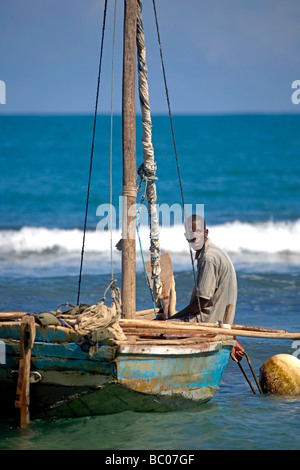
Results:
27 336
182 328
162 327
129 161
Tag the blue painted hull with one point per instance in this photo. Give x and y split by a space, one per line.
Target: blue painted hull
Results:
149 375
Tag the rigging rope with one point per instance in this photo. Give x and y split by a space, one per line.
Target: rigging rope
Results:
143 198
173 134
147 171
92 154
111 135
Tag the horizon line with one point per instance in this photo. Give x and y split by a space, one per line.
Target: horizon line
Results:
154 114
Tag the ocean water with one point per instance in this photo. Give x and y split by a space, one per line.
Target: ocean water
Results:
245 170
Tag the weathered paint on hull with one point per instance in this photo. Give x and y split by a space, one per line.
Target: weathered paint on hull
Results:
137 377
173 370
160 390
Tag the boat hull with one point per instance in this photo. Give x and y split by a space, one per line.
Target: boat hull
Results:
142 376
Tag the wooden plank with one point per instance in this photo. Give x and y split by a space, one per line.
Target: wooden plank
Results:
181 327
172 303
156 331
6 316
51 333
236 330
179 341
168 284
227 313
166 275
22 401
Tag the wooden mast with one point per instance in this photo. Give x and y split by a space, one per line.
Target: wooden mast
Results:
129 161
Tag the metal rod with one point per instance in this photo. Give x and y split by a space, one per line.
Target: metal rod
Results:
246 377
253 373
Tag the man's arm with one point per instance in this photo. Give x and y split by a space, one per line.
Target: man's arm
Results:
192 308
237 351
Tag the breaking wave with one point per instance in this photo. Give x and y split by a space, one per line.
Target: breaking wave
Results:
234 237
245 242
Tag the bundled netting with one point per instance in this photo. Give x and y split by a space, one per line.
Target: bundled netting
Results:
96 323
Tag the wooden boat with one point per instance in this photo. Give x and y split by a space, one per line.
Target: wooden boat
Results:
161 367
144 374
158 367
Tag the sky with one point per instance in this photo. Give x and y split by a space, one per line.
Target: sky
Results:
233 56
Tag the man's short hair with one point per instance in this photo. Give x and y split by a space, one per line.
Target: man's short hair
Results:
198 220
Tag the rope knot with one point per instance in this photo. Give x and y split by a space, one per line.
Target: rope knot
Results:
147 172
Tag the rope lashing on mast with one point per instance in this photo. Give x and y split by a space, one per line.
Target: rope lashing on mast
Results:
147 171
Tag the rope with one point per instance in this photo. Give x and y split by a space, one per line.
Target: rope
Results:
112 282
92 153
147 170
111 134
111 286
168 101
173 135
141 248
145 270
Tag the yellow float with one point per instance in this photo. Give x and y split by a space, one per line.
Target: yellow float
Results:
280 375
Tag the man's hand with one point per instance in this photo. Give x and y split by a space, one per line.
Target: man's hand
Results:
237 352
192 308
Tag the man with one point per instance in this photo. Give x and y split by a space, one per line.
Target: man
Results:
215 292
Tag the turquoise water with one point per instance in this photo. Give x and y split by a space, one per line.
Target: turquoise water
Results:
245 170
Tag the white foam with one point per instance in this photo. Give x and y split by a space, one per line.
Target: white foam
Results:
263 237
234 237
41 240
246 243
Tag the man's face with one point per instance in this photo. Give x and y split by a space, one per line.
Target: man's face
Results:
195 235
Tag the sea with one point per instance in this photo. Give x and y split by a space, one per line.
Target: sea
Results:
243 171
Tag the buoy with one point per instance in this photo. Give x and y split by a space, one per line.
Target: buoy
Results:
281 375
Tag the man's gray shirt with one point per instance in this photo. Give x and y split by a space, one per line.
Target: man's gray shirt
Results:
216 282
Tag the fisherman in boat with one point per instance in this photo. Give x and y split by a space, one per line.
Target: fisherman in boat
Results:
215 292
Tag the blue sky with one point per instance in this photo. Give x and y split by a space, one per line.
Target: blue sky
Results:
233 56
